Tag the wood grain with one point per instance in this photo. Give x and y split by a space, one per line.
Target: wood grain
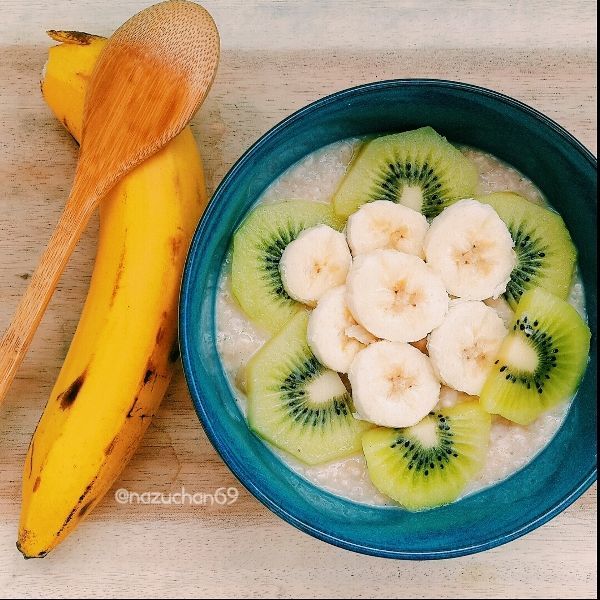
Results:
277 56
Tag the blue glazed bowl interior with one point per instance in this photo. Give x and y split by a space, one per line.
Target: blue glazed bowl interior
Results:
563 169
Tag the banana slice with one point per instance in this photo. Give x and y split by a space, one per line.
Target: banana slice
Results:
463 348
395 296
385 224
333 335
316 261
393 384
358 332
502 308
471 249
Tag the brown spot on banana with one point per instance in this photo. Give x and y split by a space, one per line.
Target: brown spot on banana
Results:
176 244
160 334
150 376
174 352
108 450
134 412
22 541
150 373
36 483
31 458
131 408
76 508
85 508
69 396
79 38
119 276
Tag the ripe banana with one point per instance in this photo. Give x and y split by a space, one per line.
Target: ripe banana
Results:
316 261
121 357
393 384
384 224
395 296
471 249
463 348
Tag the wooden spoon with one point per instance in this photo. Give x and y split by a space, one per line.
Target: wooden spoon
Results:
150 79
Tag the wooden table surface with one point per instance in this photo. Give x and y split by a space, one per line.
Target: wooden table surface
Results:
276 57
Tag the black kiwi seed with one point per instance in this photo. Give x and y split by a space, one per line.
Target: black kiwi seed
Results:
273 249
547 359
399 175
297 401
427 459
529 247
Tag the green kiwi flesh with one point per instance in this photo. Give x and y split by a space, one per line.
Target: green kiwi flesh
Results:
296 403
430 463
257 248
419 168
540 362
546 255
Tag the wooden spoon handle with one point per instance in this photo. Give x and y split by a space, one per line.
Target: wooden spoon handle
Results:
18 336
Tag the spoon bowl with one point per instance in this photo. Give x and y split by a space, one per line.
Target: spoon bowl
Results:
150 79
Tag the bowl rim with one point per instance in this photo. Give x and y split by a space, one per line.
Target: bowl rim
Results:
196 396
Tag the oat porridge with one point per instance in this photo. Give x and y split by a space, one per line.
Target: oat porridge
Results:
437 388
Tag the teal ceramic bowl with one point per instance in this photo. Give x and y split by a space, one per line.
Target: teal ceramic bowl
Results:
542 150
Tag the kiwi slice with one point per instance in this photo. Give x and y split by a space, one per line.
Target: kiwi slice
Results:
430 463
296 403
257 248
546 255
541 360
419 168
